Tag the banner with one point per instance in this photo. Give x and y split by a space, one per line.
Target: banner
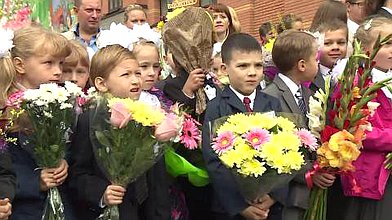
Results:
173 4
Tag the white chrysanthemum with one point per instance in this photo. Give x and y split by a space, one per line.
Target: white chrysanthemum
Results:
6 37
66 105
30 95
48 114
73 89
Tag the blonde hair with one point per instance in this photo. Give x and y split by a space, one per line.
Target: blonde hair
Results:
133 7
368 32
235 20
106 59
29 41
143 42
78 54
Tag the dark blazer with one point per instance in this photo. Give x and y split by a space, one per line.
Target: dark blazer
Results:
384 13
29 199
317 83
298 192
89 182
227 198
7 177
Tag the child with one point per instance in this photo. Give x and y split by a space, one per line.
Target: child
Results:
221 79
295 54
334 48
241 55
76 65
37 58
114 70
375 199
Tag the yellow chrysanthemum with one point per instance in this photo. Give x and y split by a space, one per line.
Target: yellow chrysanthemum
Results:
270 151
231 158
225 127
259 120
245 151
288 140
140 111
294 159
285 124
252 168
240 121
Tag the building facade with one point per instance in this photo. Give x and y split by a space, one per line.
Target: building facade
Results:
251 13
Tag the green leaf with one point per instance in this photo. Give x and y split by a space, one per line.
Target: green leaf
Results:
102 138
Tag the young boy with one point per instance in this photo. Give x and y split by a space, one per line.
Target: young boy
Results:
334 48
242 61
295 54
76 65
114 70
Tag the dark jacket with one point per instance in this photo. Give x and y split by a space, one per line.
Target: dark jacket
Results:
7 177
88 181
227 198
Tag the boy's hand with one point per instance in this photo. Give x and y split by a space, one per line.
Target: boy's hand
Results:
5 209
113 195
194 82
61 173
47 180
264 203
323 180
254 213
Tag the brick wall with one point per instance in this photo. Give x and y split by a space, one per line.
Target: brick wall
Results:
252 13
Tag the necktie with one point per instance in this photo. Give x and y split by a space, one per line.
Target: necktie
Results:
247 102
301 101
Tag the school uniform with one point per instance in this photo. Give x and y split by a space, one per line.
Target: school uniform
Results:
227 201
89 180
198 199
7 177
29 199
288 93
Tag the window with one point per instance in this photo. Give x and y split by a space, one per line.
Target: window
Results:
114 5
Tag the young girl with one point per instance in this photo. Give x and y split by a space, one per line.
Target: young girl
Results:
37 58
147 55
375 199
114 70
76 65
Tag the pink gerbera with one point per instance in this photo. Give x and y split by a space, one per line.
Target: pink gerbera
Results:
190 134
257 137
307 139
223 142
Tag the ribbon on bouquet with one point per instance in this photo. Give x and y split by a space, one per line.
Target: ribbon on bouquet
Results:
316 168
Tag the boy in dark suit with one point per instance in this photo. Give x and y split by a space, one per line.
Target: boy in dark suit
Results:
295 54
333 49
242 62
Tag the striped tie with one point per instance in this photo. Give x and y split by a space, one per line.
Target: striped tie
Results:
301 101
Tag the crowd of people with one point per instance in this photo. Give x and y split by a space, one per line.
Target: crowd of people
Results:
278 72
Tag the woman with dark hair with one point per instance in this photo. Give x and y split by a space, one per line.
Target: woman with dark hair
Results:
223 22
329 10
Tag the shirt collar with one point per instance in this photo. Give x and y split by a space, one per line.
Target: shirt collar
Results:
325 71
352 26
289 83
76 31
388 10
378 75
241 97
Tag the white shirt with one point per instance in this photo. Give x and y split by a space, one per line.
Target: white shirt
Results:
291 84
241 97
378 75
352 26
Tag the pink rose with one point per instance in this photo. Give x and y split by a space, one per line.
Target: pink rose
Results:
120 115
168 128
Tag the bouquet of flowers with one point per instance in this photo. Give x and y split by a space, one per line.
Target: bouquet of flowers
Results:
50 112
6 122
263 150
126 144
348 120
186 140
